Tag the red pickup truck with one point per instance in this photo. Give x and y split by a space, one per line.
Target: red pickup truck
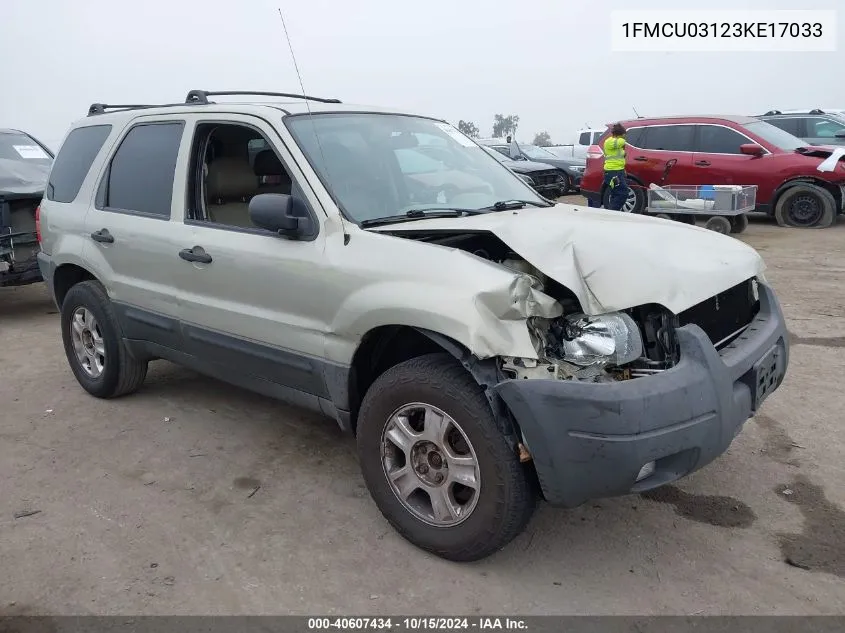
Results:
717 150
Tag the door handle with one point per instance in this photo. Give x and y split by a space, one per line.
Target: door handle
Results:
702 163
195 254
103 236
641 159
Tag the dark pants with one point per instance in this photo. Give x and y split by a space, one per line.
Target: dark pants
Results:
615 181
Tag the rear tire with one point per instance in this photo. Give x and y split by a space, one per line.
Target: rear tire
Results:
719 224
107 369
739 223
636 198
505 497
806 206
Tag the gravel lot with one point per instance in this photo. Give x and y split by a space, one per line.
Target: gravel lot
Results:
198 498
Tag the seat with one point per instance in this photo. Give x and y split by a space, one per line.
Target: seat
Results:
267 166
230 184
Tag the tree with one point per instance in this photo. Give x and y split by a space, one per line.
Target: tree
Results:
469 128
542 139
505 125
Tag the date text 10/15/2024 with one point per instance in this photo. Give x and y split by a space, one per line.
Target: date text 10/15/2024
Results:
417 624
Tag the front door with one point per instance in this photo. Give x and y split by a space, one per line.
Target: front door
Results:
130 230
718 160
250 309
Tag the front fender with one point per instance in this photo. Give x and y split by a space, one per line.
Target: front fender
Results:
485 322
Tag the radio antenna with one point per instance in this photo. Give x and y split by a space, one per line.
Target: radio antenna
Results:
313 126
636 113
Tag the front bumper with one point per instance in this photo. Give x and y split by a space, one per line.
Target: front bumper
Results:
590 440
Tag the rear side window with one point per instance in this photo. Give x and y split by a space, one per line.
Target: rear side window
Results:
791 125
584 138
140 177
635 136
715 139
670 138
74 160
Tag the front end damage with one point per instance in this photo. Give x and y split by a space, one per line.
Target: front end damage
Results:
624 401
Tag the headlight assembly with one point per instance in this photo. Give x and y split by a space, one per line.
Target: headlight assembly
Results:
608 339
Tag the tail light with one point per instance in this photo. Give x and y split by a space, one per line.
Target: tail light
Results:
38 223
594 151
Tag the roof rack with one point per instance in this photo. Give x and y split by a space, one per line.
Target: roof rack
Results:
201 96
772 112
817 111
100 108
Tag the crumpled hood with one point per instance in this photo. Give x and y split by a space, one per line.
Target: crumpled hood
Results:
22 178
612 260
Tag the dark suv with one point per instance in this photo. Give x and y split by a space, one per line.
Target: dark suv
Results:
815 127
24 165
727 150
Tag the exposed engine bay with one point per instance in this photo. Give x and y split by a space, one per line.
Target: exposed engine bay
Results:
628 344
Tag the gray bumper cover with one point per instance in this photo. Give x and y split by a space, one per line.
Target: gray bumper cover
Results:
590 440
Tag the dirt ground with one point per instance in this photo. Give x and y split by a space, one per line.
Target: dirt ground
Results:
194 497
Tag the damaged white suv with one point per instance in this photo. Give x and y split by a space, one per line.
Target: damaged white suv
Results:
485 345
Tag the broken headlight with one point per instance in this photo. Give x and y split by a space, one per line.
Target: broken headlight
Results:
608 339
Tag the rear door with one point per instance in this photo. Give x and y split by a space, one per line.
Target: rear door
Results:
660 154
132 242
718 161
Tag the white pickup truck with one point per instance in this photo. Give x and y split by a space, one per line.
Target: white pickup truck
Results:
585 138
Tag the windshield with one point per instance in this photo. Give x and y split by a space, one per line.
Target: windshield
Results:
19 147
536 152
381 165
774 135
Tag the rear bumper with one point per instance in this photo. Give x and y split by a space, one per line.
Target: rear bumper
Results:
23 273
590 440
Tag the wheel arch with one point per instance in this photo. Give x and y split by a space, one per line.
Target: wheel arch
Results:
65 277
386 346
832 189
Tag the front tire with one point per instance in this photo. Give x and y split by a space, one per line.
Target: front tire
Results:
806 206
94 348
435 463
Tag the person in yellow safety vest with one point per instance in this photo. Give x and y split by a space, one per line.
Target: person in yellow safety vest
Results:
614 167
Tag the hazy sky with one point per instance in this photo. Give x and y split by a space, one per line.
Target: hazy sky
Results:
549 61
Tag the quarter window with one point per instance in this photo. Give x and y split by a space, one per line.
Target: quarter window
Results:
140 177
584 138
74 161
715 139
635 136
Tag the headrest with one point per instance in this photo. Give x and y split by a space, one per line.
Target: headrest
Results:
268 164
230 178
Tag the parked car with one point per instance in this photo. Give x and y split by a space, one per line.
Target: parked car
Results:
729 150
482 343
547 180
572 167
814 127
24 165
583 140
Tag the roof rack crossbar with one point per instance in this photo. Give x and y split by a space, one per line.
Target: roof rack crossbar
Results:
100 108
201 96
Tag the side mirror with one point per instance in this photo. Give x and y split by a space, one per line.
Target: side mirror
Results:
280 213
840 135
751 149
